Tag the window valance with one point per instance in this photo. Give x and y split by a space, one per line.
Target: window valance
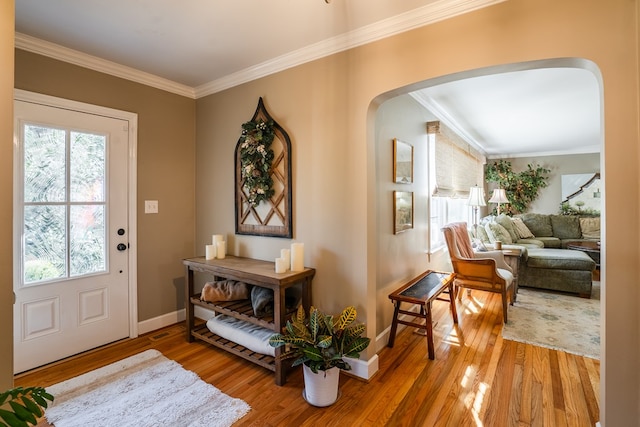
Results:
458 166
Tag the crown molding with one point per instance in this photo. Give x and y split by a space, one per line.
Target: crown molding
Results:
447 119
432 13
55 51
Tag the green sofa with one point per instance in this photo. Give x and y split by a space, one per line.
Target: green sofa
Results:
545 261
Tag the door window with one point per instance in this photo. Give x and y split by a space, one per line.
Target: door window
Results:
64 203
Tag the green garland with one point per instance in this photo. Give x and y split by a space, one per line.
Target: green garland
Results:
256 157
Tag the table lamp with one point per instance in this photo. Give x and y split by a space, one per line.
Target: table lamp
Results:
499 196
476 199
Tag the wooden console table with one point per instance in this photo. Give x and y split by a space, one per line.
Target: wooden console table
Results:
253 272
423 290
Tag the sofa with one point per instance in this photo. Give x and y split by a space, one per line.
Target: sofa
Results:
546 262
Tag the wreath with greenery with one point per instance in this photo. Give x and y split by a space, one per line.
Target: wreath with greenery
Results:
256 157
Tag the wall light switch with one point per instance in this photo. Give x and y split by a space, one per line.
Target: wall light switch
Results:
150 206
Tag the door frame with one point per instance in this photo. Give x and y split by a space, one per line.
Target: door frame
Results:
132 171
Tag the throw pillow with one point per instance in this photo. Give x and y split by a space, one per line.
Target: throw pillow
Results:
521 228
261 301
507 223
481 234
224 290
496 232
539 224
566 226
590 228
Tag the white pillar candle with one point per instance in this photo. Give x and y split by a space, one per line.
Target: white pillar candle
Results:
217 238
210 252
297 256
281 265
286 255
221 249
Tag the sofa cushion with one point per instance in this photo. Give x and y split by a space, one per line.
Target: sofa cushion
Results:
539 224
550 242
560 259
566 226
590 227
496 232
521 229
507 223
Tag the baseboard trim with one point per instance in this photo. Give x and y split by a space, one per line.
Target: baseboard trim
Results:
161 321
364 369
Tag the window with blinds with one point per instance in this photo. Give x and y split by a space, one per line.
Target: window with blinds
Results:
454 167
458 166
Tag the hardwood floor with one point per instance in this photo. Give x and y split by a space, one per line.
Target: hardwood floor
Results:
477 378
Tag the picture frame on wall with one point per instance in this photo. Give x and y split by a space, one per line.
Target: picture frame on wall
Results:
402 162
402 211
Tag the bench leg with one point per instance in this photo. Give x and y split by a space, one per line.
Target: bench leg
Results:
425 310
394 324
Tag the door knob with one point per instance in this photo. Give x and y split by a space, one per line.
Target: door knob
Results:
121 247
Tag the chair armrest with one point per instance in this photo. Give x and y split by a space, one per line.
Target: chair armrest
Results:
498 256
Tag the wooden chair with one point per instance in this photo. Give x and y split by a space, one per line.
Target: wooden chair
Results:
483 271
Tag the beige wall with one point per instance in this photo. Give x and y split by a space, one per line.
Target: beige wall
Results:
165 162
6 193
329 107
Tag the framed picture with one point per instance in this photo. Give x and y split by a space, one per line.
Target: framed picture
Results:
402 162
402 211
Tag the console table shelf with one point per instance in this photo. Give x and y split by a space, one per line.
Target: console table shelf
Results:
253 272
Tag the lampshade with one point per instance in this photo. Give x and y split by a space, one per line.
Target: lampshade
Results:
476 197
499 196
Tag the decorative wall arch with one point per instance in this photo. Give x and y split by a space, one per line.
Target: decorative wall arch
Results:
272 216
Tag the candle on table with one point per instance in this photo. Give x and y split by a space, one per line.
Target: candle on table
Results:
297 256
217 238
210 252
221 249
281 265
286 255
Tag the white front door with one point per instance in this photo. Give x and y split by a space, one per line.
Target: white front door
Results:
71 275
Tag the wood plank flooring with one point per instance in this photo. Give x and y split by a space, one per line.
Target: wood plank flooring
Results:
477 378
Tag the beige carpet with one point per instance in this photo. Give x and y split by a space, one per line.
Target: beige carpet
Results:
143 390
557 321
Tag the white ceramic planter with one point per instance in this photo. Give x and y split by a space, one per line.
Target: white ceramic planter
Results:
321 389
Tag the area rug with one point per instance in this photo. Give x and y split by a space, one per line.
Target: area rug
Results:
557 321
143 390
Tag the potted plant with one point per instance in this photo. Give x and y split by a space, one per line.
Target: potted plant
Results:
320 343
20 406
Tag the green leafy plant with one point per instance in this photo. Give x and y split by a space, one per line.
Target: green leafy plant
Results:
321 341
522 188
256 157
22 406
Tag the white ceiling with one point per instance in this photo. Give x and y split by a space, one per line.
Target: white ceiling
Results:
198 47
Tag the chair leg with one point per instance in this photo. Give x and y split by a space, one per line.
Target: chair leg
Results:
504 305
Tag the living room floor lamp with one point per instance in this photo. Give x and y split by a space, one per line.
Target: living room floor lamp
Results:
499 196
476 199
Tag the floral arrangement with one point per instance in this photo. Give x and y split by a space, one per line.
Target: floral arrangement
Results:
256 157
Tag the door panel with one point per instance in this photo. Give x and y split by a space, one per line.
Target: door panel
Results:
70 280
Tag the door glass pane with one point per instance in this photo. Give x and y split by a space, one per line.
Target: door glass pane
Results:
44 164
87 240
87 167
44 243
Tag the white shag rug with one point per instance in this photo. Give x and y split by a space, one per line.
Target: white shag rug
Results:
557 321
146 389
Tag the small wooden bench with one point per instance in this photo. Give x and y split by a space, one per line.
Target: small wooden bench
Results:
422 290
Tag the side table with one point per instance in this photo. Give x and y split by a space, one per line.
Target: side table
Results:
422 290
512 258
